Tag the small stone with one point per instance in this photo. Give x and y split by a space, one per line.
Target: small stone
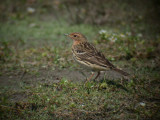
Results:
142 104
30 10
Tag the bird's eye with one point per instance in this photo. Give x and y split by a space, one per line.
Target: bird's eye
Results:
75 35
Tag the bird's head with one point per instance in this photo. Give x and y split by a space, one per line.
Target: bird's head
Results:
77 37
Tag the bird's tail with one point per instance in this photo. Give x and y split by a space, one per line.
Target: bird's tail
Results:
121 72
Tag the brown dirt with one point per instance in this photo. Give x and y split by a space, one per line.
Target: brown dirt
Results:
51 76
15 81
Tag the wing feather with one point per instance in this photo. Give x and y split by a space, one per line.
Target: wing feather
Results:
87 52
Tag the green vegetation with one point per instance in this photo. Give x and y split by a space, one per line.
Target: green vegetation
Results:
39 79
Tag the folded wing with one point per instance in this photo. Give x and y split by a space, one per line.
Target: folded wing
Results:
87 52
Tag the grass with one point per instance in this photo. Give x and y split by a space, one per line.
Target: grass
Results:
32 47
86 101
33 31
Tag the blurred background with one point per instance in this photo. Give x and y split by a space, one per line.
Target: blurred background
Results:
135 15
29 23
34 53
105 12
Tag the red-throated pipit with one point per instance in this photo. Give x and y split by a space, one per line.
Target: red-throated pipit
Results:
87 55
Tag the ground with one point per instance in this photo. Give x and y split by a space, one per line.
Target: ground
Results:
40 80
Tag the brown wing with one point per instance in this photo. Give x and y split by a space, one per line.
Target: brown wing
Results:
87 52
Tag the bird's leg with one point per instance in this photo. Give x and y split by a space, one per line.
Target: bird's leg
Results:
97 75
83 74
90 77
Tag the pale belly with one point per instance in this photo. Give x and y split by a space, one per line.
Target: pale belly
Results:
89 66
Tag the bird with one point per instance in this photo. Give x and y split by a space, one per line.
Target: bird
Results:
87 55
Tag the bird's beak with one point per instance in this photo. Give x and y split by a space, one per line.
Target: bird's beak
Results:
66 34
